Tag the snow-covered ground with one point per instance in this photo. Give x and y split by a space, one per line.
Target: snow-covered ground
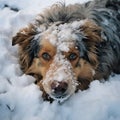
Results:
20 98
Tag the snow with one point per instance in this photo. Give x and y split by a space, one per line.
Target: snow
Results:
63 36
20 98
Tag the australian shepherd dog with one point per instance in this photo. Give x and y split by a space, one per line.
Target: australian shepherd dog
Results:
67 47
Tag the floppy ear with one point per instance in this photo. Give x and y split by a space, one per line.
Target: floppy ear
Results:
24 35
28 46
92 40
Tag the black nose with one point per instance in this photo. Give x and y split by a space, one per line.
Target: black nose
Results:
59 88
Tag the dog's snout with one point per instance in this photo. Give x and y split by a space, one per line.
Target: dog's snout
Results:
59 88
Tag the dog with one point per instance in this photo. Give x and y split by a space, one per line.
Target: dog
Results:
67 47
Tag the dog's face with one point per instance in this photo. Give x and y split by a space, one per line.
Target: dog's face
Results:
66 59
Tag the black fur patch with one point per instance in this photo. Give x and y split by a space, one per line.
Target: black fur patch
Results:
33 49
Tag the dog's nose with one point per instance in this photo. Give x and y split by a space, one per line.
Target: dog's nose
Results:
59 88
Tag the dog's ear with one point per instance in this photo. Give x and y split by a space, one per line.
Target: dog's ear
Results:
24 35
28 46
92 40
92 32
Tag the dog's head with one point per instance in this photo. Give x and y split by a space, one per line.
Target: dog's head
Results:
61 56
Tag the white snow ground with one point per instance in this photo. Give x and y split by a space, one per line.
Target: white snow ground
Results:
20 98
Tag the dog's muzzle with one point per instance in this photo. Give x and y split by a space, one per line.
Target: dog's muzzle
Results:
60 81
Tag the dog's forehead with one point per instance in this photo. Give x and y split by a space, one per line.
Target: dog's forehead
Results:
62 36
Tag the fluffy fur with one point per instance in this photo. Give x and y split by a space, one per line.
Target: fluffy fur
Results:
98 45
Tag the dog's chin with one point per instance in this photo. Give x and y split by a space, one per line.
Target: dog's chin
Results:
60 98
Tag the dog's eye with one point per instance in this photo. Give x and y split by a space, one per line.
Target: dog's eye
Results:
46 56
72 56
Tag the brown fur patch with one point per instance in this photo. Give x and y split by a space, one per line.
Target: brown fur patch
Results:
93 38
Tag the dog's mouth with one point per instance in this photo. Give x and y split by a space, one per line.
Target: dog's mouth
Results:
59 91
60 97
